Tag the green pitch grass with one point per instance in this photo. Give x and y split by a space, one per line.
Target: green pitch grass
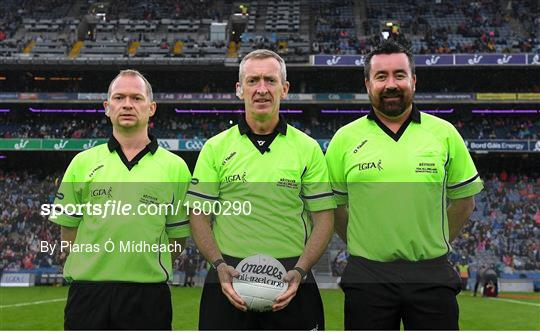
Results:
41 308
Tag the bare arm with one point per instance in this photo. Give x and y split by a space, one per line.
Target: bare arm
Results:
174 242
323 228
201 232
459 211
68 234
341 217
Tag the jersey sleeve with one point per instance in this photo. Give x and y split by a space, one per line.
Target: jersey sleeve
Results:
204 185
463 178
69 195
336 171
316 190
177 223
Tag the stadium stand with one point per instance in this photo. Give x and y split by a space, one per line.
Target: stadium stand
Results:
160 9
283 16
334 27
278 26
103 49
31 30
505 226
171 125
499 128
292 28
21 226
461 26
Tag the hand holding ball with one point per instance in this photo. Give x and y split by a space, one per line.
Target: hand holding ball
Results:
260 281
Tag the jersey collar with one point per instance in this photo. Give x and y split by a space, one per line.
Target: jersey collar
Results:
262 142
151 147
413 117
244 128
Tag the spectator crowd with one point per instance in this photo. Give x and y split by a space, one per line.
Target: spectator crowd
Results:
505 227
204 126
457 26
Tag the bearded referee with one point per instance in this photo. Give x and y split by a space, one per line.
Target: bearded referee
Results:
281 173
119 264
405 185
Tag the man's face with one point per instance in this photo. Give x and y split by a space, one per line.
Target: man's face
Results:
391 84
129 107
261 88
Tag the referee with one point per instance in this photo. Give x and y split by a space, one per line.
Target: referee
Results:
118 280
281 174
404 184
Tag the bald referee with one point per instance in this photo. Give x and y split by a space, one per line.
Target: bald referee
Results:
119 263
281 174
404 184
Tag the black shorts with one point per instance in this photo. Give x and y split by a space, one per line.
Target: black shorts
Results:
304 312
421 294
118 306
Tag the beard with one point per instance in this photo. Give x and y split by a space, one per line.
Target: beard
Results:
392 108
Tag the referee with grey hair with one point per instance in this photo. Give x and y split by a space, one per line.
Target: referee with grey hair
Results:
281 172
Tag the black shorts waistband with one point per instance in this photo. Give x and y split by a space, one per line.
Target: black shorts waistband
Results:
437 270
114 282
401 262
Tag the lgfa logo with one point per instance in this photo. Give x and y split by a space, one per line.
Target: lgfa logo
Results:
236 178
370 165
102 192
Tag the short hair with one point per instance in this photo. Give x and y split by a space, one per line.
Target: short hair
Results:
389 46
132 72
263 54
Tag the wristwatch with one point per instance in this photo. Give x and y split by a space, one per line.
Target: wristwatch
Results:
218 262
303 274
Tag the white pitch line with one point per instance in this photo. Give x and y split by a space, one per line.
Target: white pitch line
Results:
515 301
31 303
